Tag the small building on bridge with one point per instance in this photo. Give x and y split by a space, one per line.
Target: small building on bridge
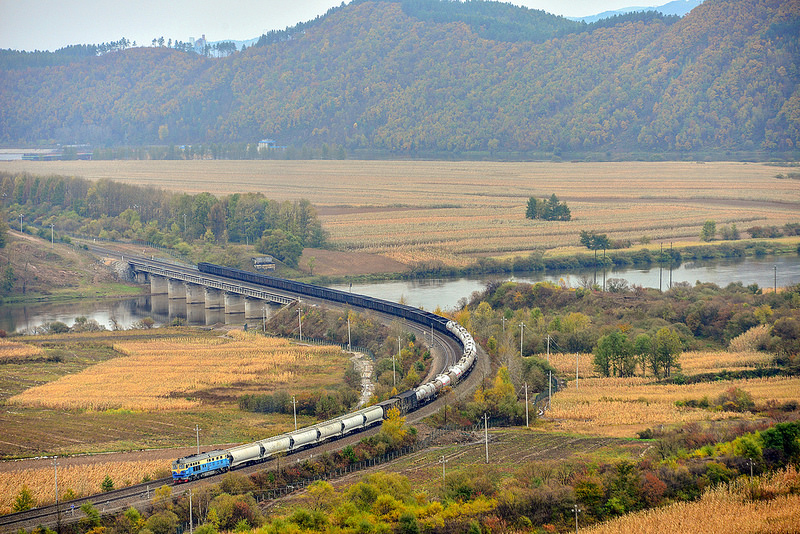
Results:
264 263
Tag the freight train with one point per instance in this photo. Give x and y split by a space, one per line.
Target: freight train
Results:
218 461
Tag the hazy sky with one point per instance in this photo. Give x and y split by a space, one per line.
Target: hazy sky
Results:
52 24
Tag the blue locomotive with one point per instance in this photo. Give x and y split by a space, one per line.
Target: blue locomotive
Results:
195 466
199 465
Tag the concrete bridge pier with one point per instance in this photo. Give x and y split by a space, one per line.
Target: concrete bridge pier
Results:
159 285
213 298
141 277
195 294
177 289
254 308
234 303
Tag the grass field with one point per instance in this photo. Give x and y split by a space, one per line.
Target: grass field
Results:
121 411
177 374
455 212
124 391
75 480
621 407
13 351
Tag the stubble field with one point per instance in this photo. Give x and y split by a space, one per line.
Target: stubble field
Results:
177 374
456 212
621 407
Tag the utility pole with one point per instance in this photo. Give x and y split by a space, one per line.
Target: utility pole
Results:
294 411
660 266
576 509
527 425
191 519
521 332
604 268
197 430
300 320
549 388
486 435
503 318
775 286
394 378
58 507
444 486
548 348
670 264
349 347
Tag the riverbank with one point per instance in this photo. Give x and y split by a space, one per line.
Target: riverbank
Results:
53 273
34 270
644 256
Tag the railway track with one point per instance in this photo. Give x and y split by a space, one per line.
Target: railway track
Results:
445 350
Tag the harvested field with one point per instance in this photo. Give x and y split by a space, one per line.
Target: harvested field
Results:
13 351
620 407
691 362
177 374
454 212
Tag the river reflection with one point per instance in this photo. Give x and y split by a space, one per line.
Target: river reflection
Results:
125 314
428 294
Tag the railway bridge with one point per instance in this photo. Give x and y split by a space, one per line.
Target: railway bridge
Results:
178 281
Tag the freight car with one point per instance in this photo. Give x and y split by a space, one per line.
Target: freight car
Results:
199 465
430 320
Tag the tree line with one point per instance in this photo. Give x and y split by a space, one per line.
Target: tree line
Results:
113 210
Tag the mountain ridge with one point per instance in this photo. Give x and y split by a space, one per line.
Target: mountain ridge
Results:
676 7
370 77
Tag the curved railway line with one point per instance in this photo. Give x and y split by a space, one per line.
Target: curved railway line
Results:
445 348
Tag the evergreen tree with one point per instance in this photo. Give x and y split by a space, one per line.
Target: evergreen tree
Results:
24 500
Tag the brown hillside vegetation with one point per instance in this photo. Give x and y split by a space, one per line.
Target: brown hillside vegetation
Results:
374 76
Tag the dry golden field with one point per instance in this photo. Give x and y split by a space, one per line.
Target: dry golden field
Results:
10 350
691 362
727 509
454 212
620 407
176 374
81 480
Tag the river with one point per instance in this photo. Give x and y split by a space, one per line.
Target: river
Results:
427 293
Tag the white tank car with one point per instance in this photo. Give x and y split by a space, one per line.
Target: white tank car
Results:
304 437
372 415
276 445
330 429
250 452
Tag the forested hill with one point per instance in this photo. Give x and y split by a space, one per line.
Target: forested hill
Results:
409 77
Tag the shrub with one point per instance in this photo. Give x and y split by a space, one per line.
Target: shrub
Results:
753 340
736 400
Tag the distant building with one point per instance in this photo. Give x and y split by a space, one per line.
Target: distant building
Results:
199 44
264 263
266 144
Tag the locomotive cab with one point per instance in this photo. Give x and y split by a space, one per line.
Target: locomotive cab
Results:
198 465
